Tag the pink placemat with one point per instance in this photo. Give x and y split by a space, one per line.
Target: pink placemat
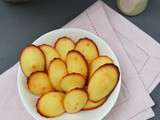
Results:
134 102
98 22
145 46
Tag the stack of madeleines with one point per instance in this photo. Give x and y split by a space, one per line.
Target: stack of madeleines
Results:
68 76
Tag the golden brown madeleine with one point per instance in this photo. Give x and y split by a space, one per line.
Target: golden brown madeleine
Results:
75 100
49 52
39 84
97 62
63 46
72 81
103 81
56 71
93 105
87 48
76 63
51 104
32 59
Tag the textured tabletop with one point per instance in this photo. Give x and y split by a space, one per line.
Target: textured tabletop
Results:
22 24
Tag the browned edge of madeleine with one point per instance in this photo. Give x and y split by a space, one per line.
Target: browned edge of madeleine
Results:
84 61
77 87
30 45
40 111
96 106
81 91
58 40
28 80
88 39
118 72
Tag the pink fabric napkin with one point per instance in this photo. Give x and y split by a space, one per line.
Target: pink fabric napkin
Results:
135 51
96 20
142 49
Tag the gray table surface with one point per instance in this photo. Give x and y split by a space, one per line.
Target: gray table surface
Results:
22 24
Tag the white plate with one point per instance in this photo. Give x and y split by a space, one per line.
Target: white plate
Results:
29 100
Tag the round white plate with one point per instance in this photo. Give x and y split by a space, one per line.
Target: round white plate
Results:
29 100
